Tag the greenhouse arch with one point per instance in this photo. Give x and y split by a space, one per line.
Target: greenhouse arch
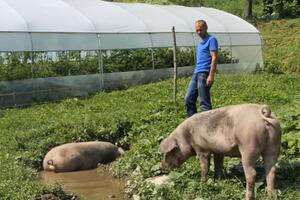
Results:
97 26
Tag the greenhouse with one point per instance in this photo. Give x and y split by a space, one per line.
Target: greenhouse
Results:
66 48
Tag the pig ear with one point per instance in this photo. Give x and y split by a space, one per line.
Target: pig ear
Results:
168 145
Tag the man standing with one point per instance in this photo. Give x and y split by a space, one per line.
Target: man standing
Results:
203 77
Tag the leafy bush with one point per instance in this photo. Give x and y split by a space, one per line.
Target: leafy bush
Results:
278 9
17 66
224 57
272 67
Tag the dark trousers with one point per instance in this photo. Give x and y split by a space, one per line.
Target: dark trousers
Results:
198 88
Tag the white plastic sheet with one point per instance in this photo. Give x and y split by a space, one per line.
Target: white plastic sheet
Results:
56 25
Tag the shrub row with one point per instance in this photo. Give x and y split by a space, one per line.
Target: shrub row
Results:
17 66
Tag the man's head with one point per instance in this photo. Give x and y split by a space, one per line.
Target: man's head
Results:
201 28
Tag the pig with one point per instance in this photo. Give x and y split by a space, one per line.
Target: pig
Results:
80 156
247 131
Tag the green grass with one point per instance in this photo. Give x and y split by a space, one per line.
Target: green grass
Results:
140 118
282 45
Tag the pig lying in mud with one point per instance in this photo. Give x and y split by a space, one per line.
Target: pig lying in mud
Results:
80 156
247 131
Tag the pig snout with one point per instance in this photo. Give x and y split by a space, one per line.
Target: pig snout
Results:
162 165
166 165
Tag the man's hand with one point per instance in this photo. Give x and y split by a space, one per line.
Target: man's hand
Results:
210 80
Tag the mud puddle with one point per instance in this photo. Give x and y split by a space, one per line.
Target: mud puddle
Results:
94 184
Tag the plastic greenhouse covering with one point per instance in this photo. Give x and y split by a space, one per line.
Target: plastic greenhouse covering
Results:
58 25
87 25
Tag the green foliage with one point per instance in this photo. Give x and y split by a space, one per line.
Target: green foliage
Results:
127 60
272 67
235 7
277 9
264 9
17 66
141 59
224 57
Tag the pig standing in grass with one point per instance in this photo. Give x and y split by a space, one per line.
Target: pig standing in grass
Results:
247 131
80 156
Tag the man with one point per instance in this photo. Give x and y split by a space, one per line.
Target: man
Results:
203 77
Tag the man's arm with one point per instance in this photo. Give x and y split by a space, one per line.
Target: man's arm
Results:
213 67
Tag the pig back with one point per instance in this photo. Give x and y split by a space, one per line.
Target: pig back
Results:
221 130
104 152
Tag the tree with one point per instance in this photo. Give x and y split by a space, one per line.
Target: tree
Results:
248 9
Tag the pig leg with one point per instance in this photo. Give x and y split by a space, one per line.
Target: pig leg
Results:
205 163
248 161
269 163
218 161
270 155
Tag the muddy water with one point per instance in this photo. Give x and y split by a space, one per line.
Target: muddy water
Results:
94 184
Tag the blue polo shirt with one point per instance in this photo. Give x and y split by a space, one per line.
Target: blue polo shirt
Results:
204 48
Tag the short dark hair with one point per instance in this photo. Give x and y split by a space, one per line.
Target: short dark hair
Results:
202 21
